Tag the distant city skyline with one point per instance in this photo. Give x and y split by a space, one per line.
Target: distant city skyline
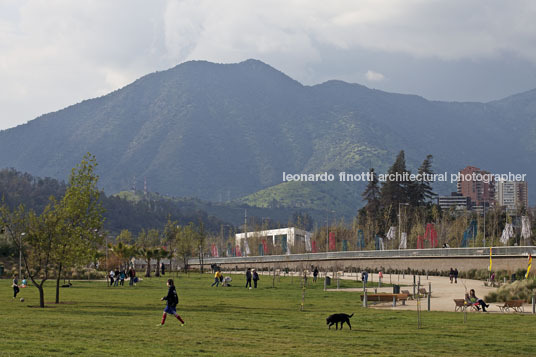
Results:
55 54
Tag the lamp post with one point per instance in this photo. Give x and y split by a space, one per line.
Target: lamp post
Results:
484 240
400 221
327 229
107 272
20 254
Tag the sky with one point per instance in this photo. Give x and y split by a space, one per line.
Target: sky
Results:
56 53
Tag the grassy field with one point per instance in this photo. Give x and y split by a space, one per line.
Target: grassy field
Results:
98 320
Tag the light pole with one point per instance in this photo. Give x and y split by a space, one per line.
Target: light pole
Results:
484 240
20 255
400 222
107 273
327 229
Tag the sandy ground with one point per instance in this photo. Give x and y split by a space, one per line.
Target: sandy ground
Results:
443 292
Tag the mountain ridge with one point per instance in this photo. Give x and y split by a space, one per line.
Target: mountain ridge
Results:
209 130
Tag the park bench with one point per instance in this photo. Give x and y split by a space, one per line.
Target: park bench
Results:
461 305
422 291
410 296
386 298
516 305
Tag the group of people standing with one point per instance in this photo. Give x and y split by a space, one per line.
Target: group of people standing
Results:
251 275
117 277
453 275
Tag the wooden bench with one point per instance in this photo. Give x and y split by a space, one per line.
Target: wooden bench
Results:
410 296
422 291
386 297
462 305
459 305
516 305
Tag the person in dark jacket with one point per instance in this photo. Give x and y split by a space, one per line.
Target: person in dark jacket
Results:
131 275
315 274
255 278
172 299
248 278
15 286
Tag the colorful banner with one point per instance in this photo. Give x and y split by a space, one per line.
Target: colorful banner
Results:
229 250
344 245
470 233
360 239
431 235
530 266
391 234
307 243
284 246
490 261
264 247
332 241
261 250
214 251
237 250
246 248
403 241
313 243
420 242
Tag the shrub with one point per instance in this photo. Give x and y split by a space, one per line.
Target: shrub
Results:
517 290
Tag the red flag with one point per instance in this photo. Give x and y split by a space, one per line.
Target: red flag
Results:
420 242
433 238
314 246
238 254
332 242
264 246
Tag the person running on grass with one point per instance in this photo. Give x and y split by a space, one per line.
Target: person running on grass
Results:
172 300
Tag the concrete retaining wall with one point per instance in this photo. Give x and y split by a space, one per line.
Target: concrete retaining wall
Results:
441 259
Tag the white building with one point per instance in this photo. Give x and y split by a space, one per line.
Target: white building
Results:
294 236
511 194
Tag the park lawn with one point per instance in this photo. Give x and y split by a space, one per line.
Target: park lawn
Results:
98 320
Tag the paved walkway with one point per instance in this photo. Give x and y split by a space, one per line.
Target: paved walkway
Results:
443 292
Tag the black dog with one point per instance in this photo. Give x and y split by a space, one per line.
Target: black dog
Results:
336 318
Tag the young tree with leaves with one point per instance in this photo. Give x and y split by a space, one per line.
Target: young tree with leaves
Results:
80 212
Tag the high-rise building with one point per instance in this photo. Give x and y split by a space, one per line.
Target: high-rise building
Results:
478 185
512 194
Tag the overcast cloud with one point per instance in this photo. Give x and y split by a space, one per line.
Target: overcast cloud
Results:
56 53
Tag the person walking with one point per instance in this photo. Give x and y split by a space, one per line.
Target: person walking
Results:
217 277
172 300
15 286
163 269
116 274
131 275
456 276
255 278
122 277
112 276
248 278
315 274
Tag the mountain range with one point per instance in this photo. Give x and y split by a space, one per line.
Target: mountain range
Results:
227 131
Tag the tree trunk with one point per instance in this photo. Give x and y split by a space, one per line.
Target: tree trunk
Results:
58 284
41 295
157 270
148 270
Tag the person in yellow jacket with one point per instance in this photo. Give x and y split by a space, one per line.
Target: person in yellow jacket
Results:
217 276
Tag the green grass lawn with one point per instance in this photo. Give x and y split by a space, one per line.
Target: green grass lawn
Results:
98 320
